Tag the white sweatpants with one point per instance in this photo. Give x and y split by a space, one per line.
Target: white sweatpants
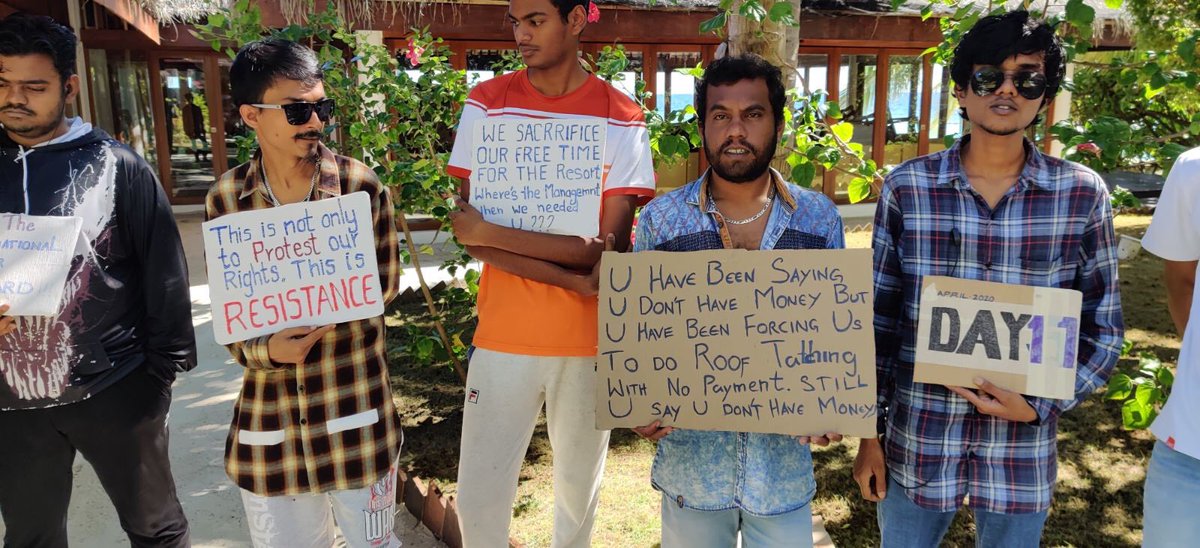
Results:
505 393
366 516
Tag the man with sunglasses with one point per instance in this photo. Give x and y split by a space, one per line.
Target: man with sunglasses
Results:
315 434
992 208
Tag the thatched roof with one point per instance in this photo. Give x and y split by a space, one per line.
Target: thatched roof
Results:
175 11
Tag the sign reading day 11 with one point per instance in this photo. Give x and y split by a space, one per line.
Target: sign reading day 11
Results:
298 265
1020 338
539 175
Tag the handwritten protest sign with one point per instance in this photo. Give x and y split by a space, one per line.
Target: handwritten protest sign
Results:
297 265
539 175
1021 338
749 341
35 258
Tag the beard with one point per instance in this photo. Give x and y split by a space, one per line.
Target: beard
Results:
999 132
746 171
34 126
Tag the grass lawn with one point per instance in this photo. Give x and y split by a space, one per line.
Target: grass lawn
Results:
1101 467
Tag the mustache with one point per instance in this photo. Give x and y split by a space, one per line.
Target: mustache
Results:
7 108
310 135
730 143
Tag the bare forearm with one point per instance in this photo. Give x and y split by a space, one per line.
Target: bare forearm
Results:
574 252
1180 279
529 267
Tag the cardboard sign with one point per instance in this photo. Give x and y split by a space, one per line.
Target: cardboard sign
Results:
539 175
1019 337
35 258
748 341
298 265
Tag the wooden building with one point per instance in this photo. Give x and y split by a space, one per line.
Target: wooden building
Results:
166 94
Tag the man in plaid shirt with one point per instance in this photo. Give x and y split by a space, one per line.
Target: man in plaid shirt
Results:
989 208
315 433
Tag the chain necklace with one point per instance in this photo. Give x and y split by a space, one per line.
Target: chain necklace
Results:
755 217
312 185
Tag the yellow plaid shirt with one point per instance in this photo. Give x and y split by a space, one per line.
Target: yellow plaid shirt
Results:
329 423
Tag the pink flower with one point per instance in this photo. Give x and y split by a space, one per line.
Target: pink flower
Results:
1090 148
593 13
413 53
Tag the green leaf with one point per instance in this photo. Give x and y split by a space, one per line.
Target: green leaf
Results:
1080 15
1126 347
1120 386
425 347
1165 378
1135 415
782 13
1113 4
216 20
843 130
714 25
752 10
1144 394
804 173
1187 50
859 189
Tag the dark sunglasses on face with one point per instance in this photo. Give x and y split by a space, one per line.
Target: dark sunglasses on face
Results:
1030 84
299 114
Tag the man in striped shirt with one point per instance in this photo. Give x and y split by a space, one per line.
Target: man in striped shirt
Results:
536 340
315 433
993 208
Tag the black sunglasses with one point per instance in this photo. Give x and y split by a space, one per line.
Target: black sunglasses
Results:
1030 84
299 114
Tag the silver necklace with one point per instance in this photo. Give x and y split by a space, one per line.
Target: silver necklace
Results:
312 185
755 217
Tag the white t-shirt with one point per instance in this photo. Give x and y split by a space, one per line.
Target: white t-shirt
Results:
1174 235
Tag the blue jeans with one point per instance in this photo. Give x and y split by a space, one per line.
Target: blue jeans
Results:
903 524
1171 499
687 528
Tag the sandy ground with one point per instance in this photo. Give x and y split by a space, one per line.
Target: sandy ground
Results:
200 414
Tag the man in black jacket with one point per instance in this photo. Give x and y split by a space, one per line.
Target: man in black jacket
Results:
97 376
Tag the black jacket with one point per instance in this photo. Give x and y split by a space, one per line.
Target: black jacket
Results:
126 302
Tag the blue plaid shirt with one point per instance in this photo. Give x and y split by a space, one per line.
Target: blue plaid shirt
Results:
1052 229
763 474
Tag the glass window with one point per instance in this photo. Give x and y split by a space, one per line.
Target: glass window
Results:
188 127
627 80
944 119
121 93
485 64
856 97
812 76
903 109
676 91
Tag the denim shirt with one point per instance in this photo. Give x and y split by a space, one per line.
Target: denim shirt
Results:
762 474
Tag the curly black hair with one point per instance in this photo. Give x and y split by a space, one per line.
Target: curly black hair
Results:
24 34
996 38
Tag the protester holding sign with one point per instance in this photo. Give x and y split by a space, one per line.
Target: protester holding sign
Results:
1173 480
990 208
315 433
551 159
88 228
717 483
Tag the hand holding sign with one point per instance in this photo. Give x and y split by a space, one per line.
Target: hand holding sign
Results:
8 324
820 441
997 402
291 346
468 224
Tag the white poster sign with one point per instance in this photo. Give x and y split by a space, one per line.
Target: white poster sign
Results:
539 175
298 265
35 258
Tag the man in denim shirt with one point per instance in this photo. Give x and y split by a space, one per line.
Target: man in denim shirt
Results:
715 483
